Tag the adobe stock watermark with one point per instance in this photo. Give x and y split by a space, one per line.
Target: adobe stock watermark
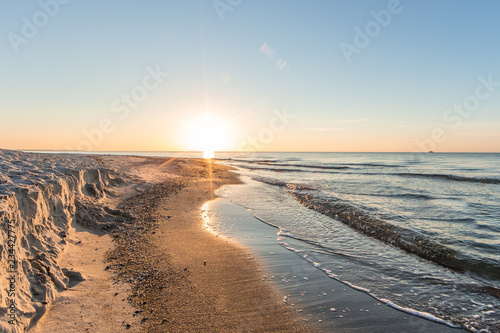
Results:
281 64
372 29
224 6
11 278
266 135
456 114
32 26
121 108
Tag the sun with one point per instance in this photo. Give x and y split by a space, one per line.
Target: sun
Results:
208 154
208 134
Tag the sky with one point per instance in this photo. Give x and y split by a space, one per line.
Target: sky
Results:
281 75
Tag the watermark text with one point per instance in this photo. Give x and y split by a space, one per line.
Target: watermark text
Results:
32 26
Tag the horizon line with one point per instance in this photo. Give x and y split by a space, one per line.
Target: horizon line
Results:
242 151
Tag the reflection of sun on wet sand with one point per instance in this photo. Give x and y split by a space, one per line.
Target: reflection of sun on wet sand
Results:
116 243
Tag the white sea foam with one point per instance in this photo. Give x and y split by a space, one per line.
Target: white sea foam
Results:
414 312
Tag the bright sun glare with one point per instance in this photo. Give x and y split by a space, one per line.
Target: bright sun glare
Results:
208 154
208 134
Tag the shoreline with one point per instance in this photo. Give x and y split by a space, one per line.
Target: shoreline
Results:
329 304
178 276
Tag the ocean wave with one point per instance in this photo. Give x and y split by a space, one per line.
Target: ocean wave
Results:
408 240
402 195
330 274
276 182
340 166
329 166
331 170
376 165
483 180
237 160
322 167
356 218
282 169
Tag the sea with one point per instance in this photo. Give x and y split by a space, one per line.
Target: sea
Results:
417 231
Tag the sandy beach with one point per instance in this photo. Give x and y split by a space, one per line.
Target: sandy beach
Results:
107 243
143 261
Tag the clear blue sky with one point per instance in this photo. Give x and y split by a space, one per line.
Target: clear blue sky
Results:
65 84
